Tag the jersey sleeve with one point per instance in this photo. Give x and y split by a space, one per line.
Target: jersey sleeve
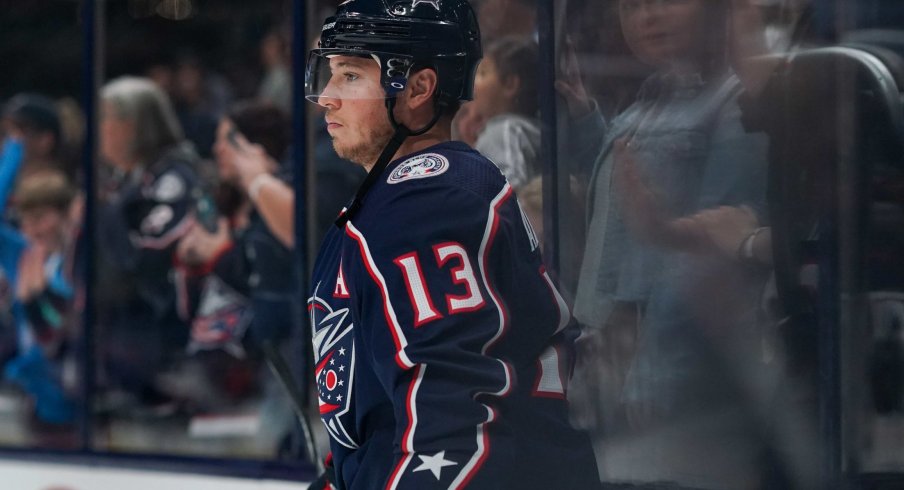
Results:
424 296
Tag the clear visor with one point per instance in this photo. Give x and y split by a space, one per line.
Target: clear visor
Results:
345 75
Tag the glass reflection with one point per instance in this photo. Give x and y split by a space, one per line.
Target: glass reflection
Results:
674 353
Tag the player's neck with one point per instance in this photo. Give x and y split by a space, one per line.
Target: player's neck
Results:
439 133
413 144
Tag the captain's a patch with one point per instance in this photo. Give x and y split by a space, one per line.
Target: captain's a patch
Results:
419 167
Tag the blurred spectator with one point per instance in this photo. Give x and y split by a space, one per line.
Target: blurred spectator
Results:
505 95
276 86
162 74
72 125
251 167
657 354
467 124
45 201
609 71
36 120
148 207
44 294
11 241
242 263
237 273
200 98
500 18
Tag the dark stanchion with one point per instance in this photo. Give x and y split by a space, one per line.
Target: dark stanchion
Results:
91 15
299 392
546 77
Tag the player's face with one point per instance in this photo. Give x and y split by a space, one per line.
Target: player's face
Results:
116 137
663 32
45 226
355 109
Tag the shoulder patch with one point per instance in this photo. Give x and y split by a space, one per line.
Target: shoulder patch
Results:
419 167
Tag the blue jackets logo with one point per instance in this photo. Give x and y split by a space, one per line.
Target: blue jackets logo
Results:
419 167
334 353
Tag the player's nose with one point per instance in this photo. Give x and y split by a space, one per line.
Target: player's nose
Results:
329 98
328 102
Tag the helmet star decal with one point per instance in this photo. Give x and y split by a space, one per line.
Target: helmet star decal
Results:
434 3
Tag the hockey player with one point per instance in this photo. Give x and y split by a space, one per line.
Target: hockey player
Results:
442 347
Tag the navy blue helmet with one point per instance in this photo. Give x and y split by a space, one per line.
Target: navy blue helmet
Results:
401 35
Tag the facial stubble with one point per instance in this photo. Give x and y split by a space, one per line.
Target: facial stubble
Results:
366 152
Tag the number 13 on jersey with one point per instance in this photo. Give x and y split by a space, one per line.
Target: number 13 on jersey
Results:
454 256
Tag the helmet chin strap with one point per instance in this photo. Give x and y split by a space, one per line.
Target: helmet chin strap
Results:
401 133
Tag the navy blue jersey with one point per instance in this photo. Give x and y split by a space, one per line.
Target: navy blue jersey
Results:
442 347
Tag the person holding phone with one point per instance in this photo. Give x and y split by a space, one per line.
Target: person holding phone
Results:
250 250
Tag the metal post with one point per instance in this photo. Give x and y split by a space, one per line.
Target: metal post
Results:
302 349
548 134
92 18
299 160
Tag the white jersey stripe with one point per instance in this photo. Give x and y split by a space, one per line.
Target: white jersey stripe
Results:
488 236
564 312
408 438
483 442
398 336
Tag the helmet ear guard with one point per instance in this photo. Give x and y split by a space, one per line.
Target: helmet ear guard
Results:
394 74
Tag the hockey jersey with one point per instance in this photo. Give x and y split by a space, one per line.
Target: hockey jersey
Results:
442 347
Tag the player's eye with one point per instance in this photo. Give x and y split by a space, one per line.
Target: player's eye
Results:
349 76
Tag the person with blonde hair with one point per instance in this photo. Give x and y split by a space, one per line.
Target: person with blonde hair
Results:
44 294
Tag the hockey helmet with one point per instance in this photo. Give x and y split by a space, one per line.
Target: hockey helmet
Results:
399 35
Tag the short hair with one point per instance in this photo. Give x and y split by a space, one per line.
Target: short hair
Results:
518 56
45 189
264 124
35 112
141 101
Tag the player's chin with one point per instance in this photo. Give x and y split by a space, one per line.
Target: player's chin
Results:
338 146
343 149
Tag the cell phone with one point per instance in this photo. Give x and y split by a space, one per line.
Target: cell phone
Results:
233 137
206 212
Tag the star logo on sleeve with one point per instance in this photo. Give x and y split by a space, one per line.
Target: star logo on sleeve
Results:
434 463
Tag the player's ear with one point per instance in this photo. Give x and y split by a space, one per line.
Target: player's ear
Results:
421 88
